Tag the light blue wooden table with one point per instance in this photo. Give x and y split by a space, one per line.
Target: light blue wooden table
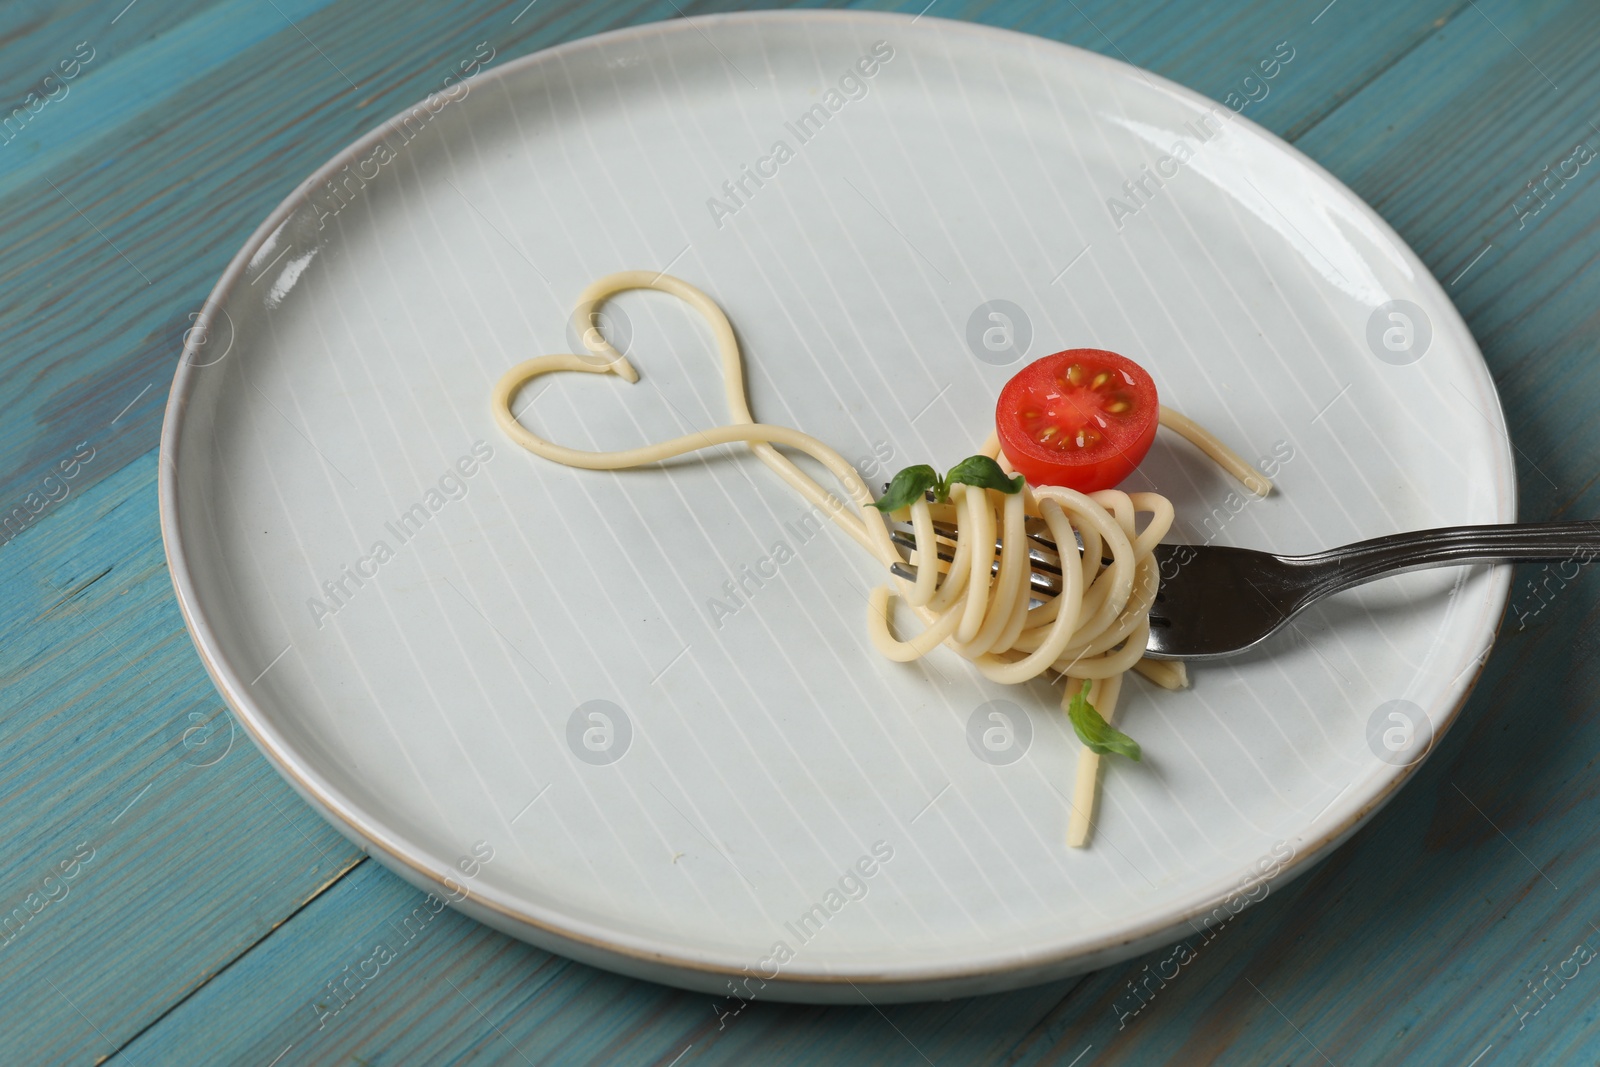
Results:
166 899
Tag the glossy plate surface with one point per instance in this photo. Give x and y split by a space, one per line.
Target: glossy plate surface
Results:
648 697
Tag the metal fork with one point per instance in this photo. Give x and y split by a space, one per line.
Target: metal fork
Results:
1217 601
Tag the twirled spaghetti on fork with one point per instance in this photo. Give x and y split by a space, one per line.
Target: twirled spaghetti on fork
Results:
981 607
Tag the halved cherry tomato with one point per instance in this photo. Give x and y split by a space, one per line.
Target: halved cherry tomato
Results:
1082 418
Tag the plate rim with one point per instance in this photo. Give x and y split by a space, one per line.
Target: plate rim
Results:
648 955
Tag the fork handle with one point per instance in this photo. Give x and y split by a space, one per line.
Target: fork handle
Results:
1341 568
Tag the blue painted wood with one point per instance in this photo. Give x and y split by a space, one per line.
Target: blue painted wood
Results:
187 936
117 758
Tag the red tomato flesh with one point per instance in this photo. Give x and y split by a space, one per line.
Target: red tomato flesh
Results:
1082 418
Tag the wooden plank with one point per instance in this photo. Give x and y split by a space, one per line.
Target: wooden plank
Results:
163 159
1529 299
451 990
182 847
1417 942
575 1014
36 36
1214 51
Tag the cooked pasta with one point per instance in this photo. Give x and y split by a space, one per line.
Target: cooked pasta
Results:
1095 630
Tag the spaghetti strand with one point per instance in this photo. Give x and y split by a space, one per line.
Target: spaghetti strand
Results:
1093 630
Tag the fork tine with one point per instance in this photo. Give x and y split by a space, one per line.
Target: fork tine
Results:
1041 582
1037 532
1041 552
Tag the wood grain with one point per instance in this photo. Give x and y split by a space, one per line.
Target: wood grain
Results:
115 740
1410 944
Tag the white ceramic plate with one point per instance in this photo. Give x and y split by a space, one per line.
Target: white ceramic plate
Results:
440 711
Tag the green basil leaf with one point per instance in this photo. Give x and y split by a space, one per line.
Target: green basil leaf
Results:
907 487
984 473
1096 734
